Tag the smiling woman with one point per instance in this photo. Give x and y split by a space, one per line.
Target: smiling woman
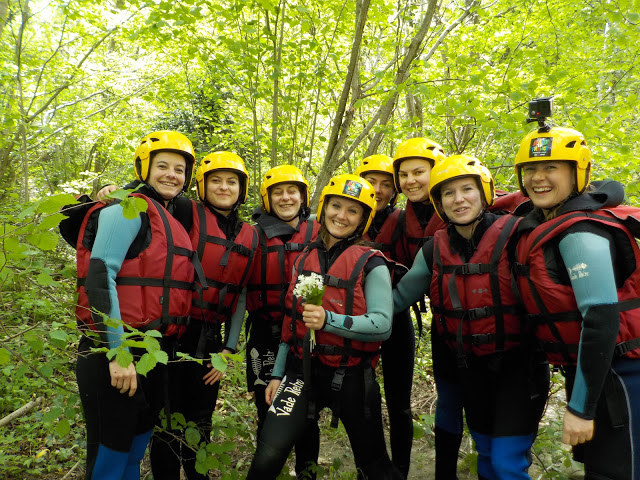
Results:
465 270
167 174
120 267
339 370
578 269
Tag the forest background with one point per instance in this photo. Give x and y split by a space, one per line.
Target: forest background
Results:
318 84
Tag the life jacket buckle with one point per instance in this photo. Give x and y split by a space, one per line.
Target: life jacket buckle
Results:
475 313
293 247
482 339
462 361
338 378
471 269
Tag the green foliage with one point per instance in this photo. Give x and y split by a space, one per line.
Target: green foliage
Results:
81 82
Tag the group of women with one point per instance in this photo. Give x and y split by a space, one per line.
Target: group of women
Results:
552 282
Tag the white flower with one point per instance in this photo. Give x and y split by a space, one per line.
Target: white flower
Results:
307 285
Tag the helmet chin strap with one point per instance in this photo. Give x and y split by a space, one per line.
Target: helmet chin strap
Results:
560 204
478 218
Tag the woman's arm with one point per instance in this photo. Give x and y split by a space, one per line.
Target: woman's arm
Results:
114 236
588 261
373 326
416 282
236 322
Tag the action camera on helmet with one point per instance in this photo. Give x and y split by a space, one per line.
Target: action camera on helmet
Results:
539 110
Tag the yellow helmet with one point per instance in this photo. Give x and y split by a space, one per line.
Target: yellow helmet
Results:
283 174
378 164
352 187
222 161
459 166
558 144
416 148
168 141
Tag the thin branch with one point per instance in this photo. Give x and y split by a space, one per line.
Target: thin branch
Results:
96 112
21 411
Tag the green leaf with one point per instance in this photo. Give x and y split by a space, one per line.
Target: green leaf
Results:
54 203
51 221
145 364
63 427
35 342
124 358
178 420
133 206
120 194
219 362
52 414
59 338
236 357
160 356
45 280
12 244
418 431
4 356
46 240
46 370
192 436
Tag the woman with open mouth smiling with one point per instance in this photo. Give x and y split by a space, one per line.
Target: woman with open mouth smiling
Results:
122 274
577 273
355 316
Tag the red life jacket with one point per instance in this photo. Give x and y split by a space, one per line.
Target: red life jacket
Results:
388 238
414 235
343 294
226 265
474 306
154 288
552 306
271 275
507 201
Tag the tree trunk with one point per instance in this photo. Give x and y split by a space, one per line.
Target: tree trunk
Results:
342 120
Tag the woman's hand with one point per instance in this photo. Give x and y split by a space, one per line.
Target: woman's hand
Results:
214 375
270 392
104 191
124 379
314 316
576 430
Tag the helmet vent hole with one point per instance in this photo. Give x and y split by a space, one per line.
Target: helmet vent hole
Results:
571 144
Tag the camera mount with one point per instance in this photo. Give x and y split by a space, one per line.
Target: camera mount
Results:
539 110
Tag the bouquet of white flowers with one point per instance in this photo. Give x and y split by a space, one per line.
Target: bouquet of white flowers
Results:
311 288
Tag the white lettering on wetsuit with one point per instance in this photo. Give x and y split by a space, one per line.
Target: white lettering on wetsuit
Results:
288 403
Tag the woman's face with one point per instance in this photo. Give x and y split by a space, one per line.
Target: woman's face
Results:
342 216
223 189
383 185
548 183
167 174
414 175
285 200
462 200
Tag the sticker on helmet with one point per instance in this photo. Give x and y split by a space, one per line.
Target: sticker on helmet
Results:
541 147
352 188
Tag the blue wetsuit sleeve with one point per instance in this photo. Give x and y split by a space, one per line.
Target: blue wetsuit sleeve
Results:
281 361
236 321
413 286
375 325
114 236
587 258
